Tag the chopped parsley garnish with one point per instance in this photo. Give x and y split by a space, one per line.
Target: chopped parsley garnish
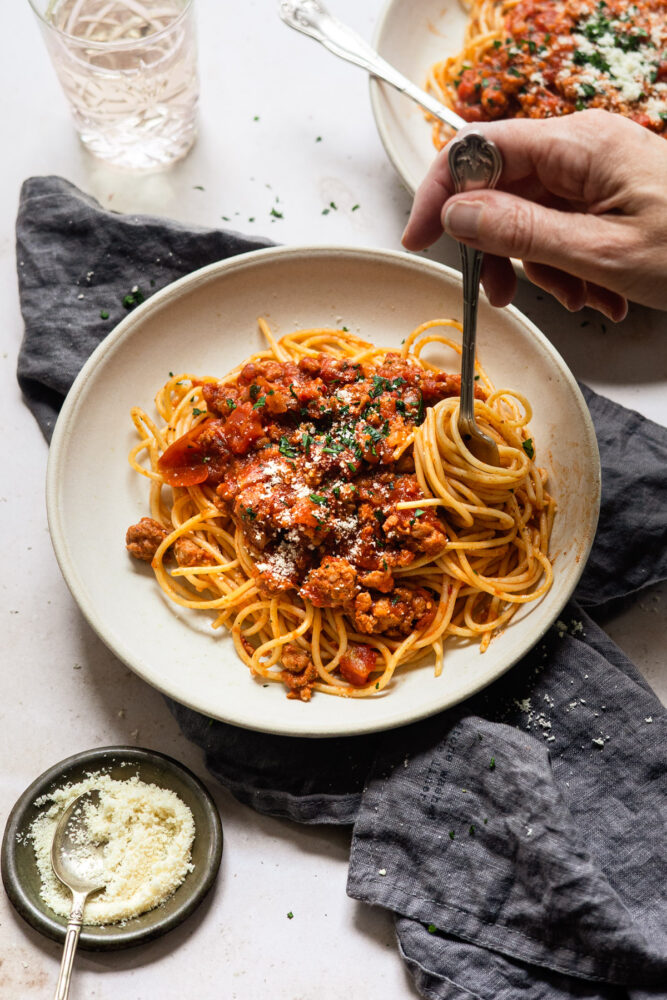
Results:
231 404
492 764
133 298
286 449
196 411
276 214
451 834
260 402
254 391
104 314
431 928
290 915
527 446
306 441
318 498
354 208
382 384
471 830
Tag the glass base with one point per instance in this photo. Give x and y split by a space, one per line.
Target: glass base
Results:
139 154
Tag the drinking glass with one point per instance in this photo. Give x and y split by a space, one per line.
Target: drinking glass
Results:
129 72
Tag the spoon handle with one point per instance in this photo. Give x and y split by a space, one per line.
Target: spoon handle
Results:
312 18
71 941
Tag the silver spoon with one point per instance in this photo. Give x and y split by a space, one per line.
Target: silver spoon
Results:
312 18
78 863
474 162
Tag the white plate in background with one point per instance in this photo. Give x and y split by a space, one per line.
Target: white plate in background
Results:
412 36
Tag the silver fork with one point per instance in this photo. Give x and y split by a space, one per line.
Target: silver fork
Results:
474 162
312 18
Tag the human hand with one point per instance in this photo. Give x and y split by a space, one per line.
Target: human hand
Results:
582 201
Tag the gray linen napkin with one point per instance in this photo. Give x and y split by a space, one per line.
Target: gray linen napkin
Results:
520 837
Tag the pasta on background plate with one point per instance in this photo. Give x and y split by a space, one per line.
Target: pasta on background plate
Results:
544 58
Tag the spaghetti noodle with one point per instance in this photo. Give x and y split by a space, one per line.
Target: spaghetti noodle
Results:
542 58
324 507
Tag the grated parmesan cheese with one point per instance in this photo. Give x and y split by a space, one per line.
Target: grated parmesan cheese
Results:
147 833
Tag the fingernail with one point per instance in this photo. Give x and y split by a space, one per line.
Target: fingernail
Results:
462 219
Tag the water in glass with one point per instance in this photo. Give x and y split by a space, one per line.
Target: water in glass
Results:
129 71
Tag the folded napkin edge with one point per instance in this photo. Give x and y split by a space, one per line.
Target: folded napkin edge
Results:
376 891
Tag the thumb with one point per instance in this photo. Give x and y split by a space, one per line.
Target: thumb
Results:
507 226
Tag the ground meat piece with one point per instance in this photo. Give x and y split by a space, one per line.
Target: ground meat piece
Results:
311 366
143 539
378 579
220 398
398 614
190 554
299 673
331 584
423 534
294 658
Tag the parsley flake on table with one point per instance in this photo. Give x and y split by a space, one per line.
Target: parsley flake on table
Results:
527 446
290 915
197 187
432 929
276 214
133 298
492 764
104 314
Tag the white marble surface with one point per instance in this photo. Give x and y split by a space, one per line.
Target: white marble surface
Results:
61 691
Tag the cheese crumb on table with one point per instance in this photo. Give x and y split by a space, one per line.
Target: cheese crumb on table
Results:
147 833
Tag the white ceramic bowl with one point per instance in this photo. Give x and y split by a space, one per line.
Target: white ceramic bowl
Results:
412 36
206 323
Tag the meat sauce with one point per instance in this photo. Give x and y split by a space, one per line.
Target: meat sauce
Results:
560 56
301 458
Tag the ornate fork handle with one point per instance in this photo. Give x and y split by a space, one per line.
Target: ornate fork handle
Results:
312 18
474 162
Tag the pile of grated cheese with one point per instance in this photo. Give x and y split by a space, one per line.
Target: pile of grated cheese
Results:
146 832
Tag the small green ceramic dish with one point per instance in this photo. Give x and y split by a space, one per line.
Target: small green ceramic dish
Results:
19 869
